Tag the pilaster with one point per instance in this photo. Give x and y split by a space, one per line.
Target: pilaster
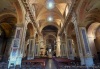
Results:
15 55
70 47
85 43
31 48
58 46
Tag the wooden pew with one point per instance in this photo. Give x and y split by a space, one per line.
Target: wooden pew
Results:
61 62
36 62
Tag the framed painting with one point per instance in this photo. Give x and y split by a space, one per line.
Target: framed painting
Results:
18 33
14 52
84 39
16 43
70 46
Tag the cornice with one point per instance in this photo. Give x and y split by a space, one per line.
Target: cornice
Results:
31 15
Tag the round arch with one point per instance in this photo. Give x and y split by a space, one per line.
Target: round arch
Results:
46 24
30 28
50 43
93 37
8 22
49 34
7 26
5 15
89 14
71 34
28 37
20 10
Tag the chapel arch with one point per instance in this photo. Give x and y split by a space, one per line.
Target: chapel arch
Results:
71 34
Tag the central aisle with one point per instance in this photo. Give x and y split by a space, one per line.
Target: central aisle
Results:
50 64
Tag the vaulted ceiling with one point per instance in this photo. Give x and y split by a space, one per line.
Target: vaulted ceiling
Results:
45 12
7 17
6 6
49 11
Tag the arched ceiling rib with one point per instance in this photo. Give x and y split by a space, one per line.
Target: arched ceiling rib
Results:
46 15
44 10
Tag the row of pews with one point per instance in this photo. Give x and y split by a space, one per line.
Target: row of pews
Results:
37 63
64 63
40 63
3 65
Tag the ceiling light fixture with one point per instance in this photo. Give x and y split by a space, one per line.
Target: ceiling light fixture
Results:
50 19
50 4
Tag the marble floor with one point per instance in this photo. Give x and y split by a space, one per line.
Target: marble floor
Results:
50 64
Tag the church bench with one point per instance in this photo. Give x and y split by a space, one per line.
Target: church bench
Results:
61 62
36 62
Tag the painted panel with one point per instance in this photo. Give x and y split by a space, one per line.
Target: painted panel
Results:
14 52
16 43
18 34
69 45
84 40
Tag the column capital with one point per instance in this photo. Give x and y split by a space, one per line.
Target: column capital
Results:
41 41
88 55
58 38
63 42
81 26
69 37
32 37
19 25
58 41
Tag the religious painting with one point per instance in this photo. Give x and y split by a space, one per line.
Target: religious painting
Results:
16 43
85 40
70 46
30 54
18 33
30 46
14 52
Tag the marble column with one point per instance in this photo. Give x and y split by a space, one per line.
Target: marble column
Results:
70 49
38 51
58 54
85 43
80 50
63 49
31 48
37 47
42 46
34 49
66 46
15 55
